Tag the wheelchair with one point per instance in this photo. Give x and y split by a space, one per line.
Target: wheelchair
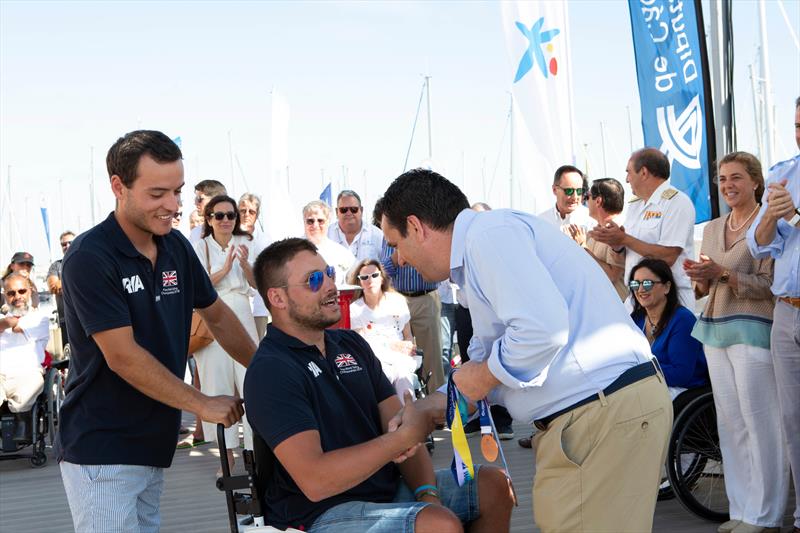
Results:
694 460
35 428
249 504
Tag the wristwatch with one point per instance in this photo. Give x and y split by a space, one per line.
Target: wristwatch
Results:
726 275
796 218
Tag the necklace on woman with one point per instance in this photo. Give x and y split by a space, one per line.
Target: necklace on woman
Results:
650 327
730 220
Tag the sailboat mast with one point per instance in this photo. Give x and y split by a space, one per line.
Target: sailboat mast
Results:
769 144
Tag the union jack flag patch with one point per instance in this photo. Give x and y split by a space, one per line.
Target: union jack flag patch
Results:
169 278
344 360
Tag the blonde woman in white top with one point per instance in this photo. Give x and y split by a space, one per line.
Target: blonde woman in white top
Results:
226 252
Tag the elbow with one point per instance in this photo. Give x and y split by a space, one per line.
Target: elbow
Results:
117 362
315 491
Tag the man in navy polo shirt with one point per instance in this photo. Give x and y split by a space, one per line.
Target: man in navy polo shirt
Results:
321 402
129 285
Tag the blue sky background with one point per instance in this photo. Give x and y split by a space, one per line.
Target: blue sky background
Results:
78 74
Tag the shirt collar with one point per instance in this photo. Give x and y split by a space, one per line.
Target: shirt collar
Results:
459 240
279 336
121 241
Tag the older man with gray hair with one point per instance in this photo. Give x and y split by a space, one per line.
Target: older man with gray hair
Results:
363 240
24 332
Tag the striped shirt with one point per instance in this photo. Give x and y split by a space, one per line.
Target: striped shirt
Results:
404 278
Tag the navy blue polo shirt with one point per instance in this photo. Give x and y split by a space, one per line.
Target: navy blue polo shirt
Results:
108 284
290 388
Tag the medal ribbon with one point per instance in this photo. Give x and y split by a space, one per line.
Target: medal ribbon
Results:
457 416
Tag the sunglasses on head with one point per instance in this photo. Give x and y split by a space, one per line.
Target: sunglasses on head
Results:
646 284
219 215
343 210
569 191
365 277
13 293
315 279
320 221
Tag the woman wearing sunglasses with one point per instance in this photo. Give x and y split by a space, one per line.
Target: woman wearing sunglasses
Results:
225 251
735 328
382 317
667 326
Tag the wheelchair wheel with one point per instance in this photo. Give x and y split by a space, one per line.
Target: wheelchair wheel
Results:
694 461
38 460
55 397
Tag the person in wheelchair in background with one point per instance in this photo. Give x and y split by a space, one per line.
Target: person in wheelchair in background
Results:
381 316
24 333
667 326
322 404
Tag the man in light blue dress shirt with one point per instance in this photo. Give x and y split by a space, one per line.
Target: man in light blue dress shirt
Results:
776 233
552 342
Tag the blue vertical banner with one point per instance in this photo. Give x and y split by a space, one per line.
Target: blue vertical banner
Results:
675 93
326 195
46 223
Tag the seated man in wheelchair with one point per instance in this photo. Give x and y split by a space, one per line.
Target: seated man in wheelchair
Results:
24 333
321 402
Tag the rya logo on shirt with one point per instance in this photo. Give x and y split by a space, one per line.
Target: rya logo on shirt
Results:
314 369
132 284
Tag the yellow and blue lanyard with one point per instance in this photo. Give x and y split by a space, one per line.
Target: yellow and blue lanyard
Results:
457 417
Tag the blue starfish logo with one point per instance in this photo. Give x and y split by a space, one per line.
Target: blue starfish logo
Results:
536 38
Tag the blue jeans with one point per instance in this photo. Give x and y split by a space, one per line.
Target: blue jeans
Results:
104 498
400 515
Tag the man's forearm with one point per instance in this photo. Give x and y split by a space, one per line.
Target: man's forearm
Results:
145 373
229 332
334 472
669 254
418 470
765 231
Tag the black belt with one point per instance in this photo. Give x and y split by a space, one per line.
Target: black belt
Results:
416 293
632 375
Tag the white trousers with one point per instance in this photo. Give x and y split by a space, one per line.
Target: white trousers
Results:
750 434
21 389
220 374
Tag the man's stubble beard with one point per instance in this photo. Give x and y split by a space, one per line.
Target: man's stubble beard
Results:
315 321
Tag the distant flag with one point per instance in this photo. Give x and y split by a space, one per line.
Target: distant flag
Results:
46 223
537 40
675 93
177 140
326 195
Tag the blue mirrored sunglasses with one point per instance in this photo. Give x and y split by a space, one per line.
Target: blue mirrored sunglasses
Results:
316 279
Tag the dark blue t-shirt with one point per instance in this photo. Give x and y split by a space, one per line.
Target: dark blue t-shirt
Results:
290 388
108 284
680 355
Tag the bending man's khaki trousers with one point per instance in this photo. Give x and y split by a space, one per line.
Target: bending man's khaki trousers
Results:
598 467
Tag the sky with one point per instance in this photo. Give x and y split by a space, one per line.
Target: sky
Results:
74 76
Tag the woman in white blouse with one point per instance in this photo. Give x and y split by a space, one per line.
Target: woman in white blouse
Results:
225 251
382 317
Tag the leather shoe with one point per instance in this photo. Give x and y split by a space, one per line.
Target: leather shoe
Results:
525 442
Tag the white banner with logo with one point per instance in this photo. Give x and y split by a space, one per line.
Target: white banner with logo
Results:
537 39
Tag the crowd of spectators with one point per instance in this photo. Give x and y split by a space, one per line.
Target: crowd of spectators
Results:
743 342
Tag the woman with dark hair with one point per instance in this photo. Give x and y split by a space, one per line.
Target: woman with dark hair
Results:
667 326
382 317
735 329
225 252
